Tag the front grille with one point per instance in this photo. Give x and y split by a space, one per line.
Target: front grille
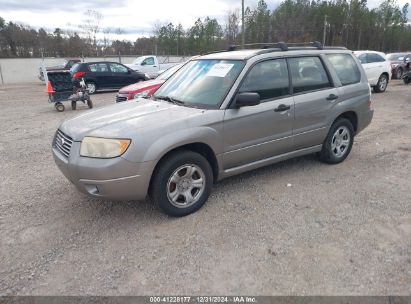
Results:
63 143
121 98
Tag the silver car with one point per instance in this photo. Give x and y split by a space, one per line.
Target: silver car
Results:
220 115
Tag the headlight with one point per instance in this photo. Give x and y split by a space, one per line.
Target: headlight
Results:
141 94
147 76
103 147
394 65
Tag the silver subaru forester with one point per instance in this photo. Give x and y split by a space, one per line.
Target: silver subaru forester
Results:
220 115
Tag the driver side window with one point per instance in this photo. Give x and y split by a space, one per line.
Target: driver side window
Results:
149 61
269 79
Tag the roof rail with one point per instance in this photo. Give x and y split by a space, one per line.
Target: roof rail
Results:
281 45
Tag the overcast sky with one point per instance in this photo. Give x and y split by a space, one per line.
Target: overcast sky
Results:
135 17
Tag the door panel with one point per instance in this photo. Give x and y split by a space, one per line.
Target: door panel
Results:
120 75
312 111
314 99
101 73
257 132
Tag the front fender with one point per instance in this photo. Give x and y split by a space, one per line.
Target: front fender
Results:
169 142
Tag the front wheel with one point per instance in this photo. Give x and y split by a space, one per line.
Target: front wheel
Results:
59 107
381 84
89 103
338 143
398 73
182 183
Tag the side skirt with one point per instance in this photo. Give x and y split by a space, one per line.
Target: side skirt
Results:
268 161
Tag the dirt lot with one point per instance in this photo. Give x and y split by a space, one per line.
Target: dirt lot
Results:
343 229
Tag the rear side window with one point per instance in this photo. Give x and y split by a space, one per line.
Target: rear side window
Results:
371 57
98 67
308 74
345 67
269 79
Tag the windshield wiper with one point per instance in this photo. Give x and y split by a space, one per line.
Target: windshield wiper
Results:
170 99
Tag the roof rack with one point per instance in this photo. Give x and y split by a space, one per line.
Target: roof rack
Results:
281 45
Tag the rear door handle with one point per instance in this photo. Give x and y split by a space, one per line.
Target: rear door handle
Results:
332 97
282 108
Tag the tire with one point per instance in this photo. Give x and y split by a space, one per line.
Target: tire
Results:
59 107
381 84
91 87
73 105
338 142
398 73
406 80
89 103
171 187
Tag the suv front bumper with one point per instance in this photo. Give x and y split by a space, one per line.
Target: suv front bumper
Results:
113 179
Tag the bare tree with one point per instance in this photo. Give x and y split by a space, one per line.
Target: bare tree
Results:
91 26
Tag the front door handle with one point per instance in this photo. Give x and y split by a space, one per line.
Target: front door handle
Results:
332 97
282 108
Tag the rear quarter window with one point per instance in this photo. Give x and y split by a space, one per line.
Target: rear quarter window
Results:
345 67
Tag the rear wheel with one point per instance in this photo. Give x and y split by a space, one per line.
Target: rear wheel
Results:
182 183
91 87
381 84
338 143
73 105
89 103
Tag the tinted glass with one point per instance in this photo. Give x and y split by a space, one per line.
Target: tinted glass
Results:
75 68
202 83
362 58
268 78
118 68
345 67
308 74
371 57
98 67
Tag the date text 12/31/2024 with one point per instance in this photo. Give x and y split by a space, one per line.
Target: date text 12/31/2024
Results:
202 299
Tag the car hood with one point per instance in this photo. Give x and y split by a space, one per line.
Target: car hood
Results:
121 120
141 86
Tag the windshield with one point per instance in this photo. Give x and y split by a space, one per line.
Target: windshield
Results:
169 72
398 57
201 83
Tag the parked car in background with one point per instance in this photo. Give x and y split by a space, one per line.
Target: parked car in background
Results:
105 75
398 63
146 88
150 65
377 68
219 115
64 66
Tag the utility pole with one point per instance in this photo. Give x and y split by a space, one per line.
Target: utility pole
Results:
242 24
325 28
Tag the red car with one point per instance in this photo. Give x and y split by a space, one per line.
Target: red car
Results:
145 88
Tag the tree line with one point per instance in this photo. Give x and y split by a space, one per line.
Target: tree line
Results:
346 23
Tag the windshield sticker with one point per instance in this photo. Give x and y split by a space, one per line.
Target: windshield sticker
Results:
220 70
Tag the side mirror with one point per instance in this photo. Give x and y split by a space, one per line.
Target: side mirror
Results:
247 99
143 63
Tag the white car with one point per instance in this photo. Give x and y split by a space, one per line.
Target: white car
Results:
377 68
150 65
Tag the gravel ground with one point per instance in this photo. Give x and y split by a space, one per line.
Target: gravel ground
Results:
335 230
